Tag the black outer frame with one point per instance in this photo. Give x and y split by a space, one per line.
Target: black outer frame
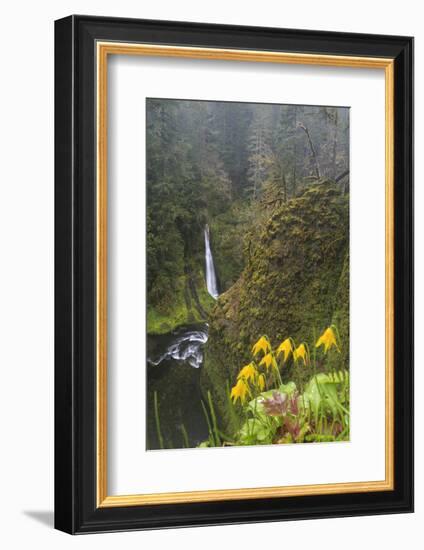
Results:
75 275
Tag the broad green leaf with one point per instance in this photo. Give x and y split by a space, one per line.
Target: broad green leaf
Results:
323 391
255 406
289 388
255 432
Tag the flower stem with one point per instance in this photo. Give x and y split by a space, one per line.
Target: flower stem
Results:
157 419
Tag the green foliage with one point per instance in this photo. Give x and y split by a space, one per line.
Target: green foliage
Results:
256 432
228 230
341 310
295 281
255 406
327 393
189 304
283 413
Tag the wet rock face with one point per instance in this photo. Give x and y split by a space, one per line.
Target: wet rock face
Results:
295 283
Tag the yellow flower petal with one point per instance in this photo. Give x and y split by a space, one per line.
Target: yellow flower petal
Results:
248 372
268 361
261 382
239 391
261 345
285 348
327 339
301 353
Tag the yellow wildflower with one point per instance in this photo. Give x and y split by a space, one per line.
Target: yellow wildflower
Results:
239 391
301 353
328 339
261 382
261 345
286 348
248 372
268 360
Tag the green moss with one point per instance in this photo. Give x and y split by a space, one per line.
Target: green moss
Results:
158 323
228 231
292 284
190 304
341 313
205 299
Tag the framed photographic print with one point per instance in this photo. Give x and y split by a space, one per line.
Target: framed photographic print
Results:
234 270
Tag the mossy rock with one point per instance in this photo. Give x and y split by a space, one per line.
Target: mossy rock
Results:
189 303
295 283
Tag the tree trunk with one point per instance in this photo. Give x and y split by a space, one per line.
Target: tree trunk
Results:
311 145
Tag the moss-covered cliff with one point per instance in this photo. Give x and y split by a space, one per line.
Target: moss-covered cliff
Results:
295 283
189 303
341 311
228 230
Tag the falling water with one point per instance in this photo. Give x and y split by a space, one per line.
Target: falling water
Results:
210 268
185 345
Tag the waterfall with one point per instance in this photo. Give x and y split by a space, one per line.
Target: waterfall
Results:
184 346
210 268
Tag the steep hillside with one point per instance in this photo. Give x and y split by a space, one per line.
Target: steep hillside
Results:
295 283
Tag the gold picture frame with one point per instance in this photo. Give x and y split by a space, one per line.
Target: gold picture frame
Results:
106 49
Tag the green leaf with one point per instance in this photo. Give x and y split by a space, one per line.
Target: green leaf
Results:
256 407
289 388
254 432
322 391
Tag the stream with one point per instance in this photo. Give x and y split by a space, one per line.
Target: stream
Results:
183 345
174 362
